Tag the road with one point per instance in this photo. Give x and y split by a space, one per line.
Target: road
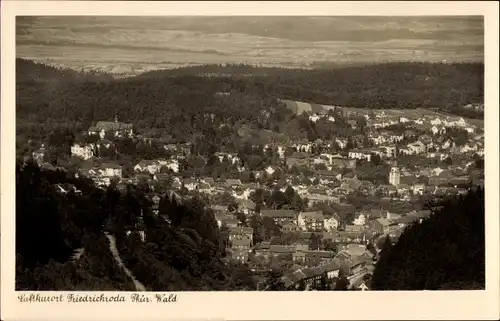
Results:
112 247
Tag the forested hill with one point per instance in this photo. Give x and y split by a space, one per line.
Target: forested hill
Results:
444 252
442 86
158 98
28 71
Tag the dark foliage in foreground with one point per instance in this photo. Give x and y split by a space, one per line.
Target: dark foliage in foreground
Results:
51 226
444 252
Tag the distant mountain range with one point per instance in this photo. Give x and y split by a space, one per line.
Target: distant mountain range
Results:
131 45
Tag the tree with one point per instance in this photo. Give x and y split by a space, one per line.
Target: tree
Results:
425 257
375 159
342 283
289 194
370 247
384 243
241 218
316 241
479 163
447 161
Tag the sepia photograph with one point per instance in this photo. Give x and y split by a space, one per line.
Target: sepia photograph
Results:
186 153
249 153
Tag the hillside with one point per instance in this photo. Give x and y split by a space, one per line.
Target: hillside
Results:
184 255
444 87
444 252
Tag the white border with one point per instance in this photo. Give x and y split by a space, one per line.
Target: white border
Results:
262 305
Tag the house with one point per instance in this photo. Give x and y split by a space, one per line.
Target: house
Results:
381 225
331 222
319 198
227 220
468 148
392 216
416 148
317 276
283 251
360 285
241 232
350 237
311 221
190 184
240 249
290 228
360 154
338 161
172 165
161 177
314 118
438 130
403 189
296 161
406 220
354 228
39 154
280 216
156 203
247 207
233 183
354 266
470 129
360 219
388 151
83 151
341 142
303 147
436 122
110 170
270 170
176 185
438 155
418 189
203 187
376 213
317 257
116 128
454 122
266 252
147 166
378 139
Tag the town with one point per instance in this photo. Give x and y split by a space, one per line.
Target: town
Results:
318 210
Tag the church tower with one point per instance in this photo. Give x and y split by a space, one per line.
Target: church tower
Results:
394 175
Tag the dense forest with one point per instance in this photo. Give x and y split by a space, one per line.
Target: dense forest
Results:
444 252
51 227
440 86
160 97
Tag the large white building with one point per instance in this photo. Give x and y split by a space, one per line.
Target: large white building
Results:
82 151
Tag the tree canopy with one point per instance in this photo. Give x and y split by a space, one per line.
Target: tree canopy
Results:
445 251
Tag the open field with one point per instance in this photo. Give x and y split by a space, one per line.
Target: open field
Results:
128 46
